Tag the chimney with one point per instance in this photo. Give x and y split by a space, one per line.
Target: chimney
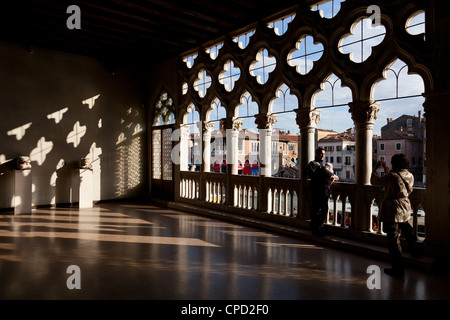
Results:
389 120
420 116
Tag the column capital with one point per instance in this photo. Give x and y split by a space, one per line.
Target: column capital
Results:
364 112
233 123
307 118
205 127
185 132
265 121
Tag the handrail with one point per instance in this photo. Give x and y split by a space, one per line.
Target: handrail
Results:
281 197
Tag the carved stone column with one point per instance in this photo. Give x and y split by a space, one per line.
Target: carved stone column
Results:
185 134
205 128
364 114
232 126
180 155
265 123
307 120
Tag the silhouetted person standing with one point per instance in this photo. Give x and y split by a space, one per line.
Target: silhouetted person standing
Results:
319 193
396 209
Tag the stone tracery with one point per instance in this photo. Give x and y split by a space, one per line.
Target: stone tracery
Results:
306 23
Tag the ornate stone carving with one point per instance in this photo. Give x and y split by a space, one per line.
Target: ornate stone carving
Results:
307 118
207 126
185 132
85 163
364 112
237 124
265 121
233 123
23 163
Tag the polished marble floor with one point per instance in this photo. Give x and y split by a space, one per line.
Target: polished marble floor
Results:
141 251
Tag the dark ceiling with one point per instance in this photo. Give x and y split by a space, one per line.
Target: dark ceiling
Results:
129 29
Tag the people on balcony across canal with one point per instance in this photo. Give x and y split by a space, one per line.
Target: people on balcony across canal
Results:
319 193
395 211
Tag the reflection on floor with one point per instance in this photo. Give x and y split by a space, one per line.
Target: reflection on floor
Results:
138 251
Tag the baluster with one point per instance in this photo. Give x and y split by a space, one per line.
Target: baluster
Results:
197 194
269 201
186 188
275 202
224 190
245 198
215 192
295 204
240 196
181 188
343 203
415 207
288 203
211 192
335 210
327 220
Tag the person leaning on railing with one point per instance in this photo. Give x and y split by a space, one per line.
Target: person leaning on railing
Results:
395 211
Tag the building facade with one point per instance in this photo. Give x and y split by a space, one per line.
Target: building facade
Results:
340 152
404 135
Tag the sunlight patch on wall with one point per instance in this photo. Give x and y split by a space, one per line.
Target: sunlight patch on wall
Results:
19 132
77 133
39 153
137 129
91 101
58 115
134 167
94 154
129 154
129 166
121 138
